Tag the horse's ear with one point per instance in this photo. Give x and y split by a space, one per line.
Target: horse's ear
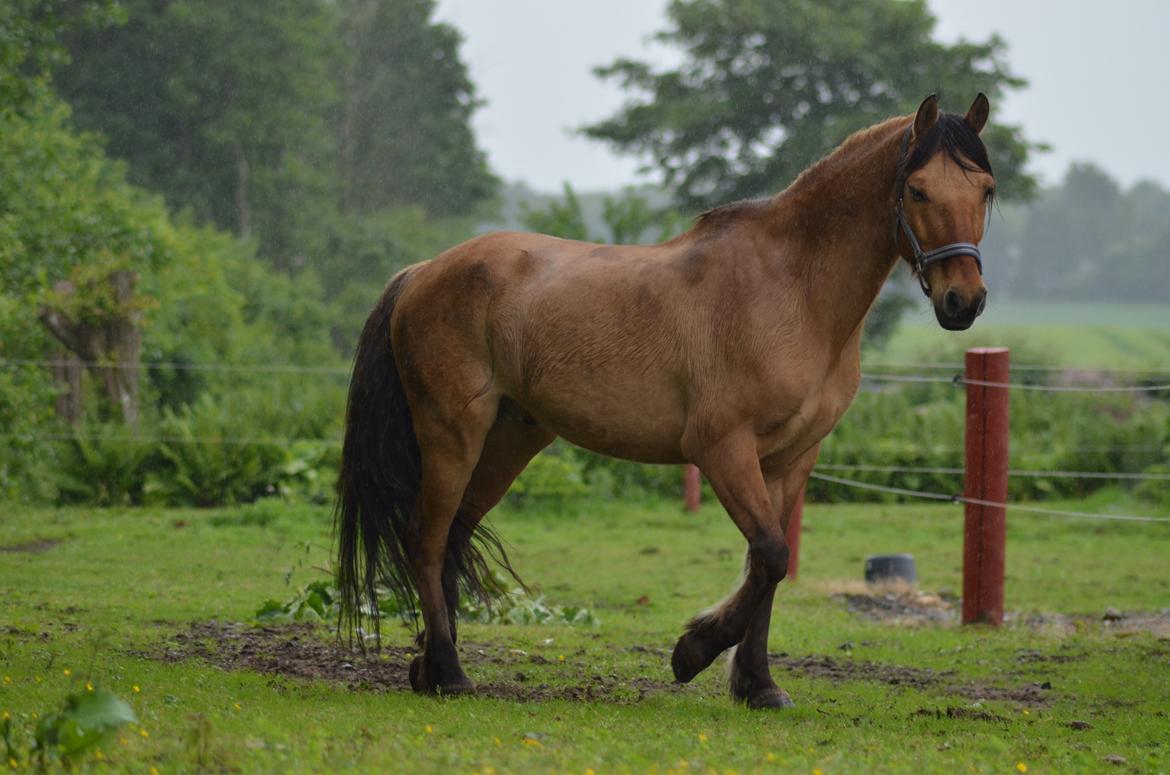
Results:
926 117
977 113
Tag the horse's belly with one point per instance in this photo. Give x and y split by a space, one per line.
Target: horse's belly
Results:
641 422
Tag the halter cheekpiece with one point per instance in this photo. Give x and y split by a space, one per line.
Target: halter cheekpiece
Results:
922 258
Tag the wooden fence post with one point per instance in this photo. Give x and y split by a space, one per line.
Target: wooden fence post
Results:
984 530
692 487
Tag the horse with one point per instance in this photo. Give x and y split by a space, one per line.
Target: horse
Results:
734 346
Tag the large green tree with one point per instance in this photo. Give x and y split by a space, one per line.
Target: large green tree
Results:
222 106
766 87
406 137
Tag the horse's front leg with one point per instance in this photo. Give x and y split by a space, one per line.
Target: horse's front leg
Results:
732 467
750 679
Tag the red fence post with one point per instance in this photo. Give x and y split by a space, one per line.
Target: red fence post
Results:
986 479
792 535
692 486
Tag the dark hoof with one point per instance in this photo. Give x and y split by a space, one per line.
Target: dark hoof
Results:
692 655
423 681
770 698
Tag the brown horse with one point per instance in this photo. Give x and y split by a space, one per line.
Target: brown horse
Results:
735 346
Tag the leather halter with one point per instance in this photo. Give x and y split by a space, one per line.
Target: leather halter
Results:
902 226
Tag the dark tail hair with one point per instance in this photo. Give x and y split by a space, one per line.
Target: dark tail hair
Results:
378 487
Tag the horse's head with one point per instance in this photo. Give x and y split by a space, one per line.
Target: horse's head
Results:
944 189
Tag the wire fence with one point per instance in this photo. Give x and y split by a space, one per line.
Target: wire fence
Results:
874 373
958 498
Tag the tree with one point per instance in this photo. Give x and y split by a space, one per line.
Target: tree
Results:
224 107
766 87
405 135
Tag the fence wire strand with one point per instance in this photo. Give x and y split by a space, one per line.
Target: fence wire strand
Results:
957 498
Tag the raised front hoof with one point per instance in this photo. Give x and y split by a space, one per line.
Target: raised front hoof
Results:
448 683
771 698
691 656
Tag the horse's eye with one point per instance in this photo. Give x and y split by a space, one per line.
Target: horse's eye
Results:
918 195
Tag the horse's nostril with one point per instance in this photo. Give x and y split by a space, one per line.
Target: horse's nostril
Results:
951 303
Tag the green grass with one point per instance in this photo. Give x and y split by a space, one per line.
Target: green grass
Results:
1085 335
121 584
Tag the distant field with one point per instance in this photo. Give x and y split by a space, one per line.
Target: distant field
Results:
1115 335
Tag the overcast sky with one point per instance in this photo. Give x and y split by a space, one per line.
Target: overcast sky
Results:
1099 73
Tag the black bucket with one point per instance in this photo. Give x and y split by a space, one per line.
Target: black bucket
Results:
887 568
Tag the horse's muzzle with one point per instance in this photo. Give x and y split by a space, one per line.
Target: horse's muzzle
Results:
956 311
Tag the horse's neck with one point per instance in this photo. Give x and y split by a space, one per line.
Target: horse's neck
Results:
838 217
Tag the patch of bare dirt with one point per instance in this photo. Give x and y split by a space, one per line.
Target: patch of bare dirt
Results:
1119 623
941 681
902 605
304 651
36 546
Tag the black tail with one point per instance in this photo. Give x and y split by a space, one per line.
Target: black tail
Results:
378 487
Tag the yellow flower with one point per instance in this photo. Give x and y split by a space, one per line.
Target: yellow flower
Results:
7 679
236 705
67 672
561 657
154 771
770 757
6 715
533 742
37 678
428 729
589 771
144 733
1027 712
1020 765
12 762
89 686
702 738
817 771
497 741
135 688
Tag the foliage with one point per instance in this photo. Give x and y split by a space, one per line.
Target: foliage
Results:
87 720
405 134
266 119
1085 238
765 88
31 45
223 107
628 218
318 601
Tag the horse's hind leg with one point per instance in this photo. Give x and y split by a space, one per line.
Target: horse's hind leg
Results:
514 439
449 450
733 469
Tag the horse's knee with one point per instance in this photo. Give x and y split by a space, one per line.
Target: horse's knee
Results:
769 558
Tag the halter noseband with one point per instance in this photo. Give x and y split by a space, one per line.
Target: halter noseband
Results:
924 257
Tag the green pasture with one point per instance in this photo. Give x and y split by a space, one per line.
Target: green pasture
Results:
1068 334
101 596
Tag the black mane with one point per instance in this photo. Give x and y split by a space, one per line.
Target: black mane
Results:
952 135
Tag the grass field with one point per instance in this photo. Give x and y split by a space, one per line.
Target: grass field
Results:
109 597
1085 335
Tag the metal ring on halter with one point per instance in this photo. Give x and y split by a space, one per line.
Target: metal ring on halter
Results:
922 258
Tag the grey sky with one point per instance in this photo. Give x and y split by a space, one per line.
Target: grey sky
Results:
1098 72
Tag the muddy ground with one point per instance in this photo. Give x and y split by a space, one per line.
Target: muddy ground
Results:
303 651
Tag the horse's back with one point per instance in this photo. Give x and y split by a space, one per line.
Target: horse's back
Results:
585 337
